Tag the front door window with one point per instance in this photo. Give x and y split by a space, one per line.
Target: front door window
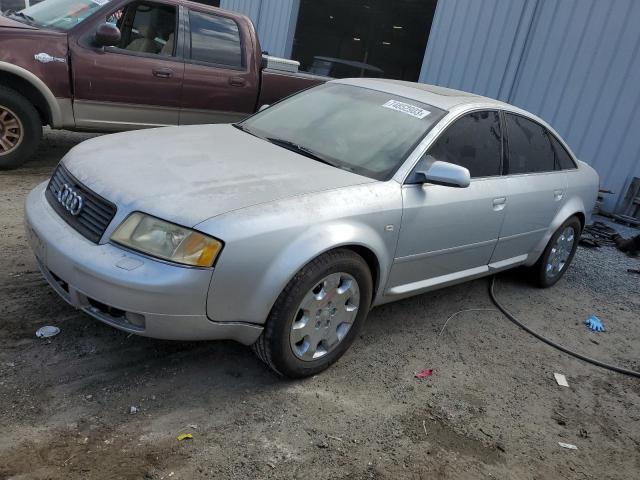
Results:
473 142
147 28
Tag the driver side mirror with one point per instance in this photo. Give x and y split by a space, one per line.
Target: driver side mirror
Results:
107 35
444 173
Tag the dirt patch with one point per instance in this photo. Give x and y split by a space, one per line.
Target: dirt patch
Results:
436 433
491 409
89 451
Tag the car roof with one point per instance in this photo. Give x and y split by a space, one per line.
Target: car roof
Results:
440 97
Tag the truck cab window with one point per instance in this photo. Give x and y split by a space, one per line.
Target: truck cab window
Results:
215 39
146 27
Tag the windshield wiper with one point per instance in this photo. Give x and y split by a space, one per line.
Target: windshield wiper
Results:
30 20
294 147
244 129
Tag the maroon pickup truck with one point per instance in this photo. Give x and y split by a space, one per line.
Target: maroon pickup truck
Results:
103 65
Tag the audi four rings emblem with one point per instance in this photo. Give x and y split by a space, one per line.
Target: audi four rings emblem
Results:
70 200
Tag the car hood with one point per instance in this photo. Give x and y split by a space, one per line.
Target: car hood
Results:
189 174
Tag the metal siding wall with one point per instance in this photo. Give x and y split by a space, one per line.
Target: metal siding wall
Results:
575 63
274 20
485 39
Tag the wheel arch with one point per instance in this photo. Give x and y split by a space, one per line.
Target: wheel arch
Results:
574 207
34 89
274 269
359 238
373 263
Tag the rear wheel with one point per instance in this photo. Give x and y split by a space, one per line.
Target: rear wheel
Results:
317 315
20 128
558 255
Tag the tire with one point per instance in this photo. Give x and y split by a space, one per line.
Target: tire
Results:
544 276
276 347
17 110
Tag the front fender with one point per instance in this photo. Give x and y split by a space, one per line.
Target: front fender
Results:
267 245
320 239
51 102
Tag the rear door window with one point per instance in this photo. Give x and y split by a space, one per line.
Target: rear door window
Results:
474 141
215 40
530 150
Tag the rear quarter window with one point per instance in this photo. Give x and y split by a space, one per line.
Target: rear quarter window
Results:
563 159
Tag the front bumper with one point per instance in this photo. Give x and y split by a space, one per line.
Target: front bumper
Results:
126 290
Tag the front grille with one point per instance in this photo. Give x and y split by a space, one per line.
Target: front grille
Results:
93 217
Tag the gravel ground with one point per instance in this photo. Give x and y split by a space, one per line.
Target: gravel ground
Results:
491 409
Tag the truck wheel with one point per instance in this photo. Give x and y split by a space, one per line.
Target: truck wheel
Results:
557 257
317 315
20 129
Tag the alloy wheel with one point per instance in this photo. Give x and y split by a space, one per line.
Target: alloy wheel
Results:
325 316
560 252
11 131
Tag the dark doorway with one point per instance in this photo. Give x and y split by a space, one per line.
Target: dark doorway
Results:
213 3
363 38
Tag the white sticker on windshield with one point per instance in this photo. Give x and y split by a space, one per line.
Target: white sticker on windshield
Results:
407 108
100 2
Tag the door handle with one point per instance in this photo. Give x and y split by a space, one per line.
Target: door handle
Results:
237 82
499 203
558 194
162 72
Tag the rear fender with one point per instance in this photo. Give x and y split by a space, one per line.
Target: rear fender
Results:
573 206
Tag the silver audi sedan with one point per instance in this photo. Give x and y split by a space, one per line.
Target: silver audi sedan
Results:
284 230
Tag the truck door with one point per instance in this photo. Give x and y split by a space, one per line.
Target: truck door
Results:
136 83
220 78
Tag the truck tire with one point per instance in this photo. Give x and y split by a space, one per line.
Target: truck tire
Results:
20 129
317 316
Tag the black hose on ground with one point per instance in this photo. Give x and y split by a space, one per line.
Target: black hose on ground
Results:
592 361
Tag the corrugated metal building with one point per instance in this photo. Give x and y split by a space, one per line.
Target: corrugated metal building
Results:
575 63
275 21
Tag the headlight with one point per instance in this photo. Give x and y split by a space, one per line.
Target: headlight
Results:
165 240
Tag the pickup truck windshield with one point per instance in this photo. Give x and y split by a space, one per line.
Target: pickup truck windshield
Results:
364 131
58 14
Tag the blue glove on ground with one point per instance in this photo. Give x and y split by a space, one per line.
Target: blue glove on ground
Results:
594 324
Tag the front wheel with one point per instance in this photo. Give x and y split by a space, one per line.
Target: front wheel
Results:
20 129
317 316
558 255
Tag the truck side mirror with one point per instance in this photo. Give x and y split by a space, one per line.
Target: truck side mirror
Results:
107 35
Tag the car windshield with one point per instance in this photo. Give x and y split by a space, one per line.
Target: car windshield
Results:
58 14
365 131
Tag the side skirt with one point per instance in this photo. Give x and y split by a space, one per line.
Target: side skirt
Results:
416 288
